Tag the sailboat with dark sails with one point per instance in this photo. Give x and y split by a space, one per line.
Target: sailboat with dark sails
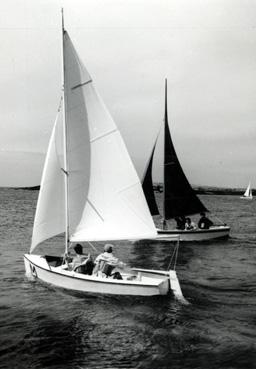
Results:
179 198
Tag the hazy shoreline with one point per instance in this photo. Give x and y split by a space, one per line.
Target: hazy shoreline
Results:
210 190
200 190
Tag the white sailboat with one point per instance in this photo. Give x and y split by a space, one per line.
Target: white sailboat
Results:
91 192
248 193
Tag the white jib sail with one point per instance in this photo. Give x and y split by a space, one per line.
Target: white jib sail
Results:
50 212
106 200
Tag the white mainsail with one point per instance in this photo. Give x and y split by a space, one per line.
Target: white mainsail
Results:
105 197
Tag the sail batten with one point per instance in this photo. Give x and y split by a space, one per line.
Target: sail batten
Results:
81 84
103 135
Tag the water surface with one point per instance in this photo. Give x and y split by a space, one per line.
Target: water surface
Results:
43 327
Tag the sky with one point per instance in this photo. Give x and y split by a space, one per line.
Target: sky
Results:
205 48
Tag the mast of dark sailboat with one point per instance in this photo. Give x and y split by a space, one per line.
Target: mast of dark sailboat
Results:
165 161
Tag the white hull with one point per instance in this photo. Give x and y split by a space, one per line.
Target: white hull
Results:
246 197
147 283
194 235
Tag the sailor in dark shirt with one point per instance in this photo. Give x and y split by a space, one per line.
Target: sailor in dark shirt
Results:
204 222
180 222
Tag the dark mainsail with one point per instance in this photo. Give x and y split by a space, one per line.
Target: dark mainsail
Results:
147 185
178 197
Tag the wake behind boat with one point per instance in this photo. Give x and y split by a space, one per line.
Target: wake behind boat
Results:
91 192
179 199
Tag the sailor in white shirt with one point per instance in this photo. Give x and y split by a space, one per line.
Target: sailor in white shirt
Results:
107 262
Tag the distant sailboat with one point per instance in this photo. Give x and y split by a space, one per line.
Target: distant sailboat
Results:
91 192
179 199
248 193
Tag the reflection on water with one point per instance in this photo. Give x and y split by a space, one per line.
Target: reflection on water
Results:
44 327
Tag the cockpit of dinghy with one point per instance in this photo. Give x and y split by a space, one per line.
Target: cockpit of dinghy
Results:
54 261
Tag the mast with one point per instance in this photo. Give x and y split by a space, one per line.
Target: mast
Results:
65 169
165 124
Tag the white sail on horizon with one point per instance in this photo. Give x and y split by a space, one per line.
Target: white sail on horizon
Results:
105 197
248 191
